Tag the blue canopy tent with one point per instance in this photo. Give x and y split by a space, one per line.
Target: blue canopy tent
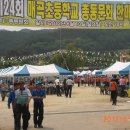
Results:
99 72
125 71
63 71
27 70
31 70
34 71
23 72
53 70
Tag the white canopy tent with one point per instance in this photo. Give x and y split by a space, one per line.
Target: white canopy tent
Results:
76 73
11 72
115 68
94 72
34 71
85 73
25 70
53 70
6 71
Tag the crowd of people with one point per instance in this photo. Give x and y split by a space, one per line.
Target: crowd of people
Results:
20 97
115 85
21 93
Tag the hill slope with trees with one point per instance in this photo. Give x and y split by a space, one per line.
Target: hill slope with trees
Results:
27 42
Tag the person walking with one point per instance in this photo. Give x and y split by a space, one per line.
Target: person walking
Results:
38 94
78 80
57 83
113 89
65 87
21 105
11 99
69 84
3 91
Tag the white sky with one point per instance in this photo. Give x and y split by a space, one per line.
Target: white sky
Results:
14 28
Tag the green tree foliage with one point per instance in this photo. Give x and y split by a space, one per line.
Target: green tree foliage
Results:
28 42
71 58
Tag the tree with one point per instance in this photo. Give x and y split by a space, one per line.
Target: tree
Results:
71 58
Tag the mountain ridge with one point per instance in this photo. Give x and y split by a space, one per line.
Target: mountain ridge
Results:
27 42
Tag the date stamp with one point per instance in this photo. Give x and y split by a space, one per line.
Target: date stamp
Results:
116 119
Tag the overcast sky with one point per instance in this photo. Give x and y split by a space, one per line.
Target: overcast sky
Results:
13 28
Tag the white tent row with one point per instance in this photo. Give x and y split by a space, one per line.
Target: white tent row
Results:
31 70
88 72
115 68
76 73
94 72
85 73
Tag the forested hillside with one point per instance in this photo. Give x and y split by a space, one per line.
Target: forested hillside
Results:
26 42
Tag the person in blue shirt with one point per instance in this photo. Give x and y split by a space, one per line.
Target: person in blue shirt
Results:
11 99
38 94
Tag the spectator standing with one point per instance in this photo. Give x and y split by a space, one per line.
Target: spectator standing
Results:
57 83
122 84
21 105
69 84
3 91
78 80
113 89
65 87
11 100
38 94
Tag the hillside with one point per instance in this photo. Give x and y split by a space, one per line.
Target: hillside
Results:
26 42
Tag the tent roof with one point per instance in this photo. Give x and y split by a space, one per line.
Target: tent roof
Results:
53 70
27 70
115 68
32 70
63 71
94 72
125 71
85 72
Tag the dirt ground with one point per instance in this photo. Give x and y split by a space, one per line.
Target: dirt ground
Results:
86 110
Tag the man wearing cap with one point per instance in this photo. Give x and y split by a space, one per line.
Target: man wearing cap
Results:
38 94
22 99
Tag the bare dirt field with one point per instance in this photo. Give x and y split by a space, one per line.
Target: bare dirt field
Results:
86 110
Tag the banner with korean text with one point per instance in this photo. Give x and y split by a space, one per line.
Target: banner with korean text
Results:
65 14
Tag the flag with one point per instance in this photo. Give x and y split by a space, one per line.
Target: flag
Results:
109 53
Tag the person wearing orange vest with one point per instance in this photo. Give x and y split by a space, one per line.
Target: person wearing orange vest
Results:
113 89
